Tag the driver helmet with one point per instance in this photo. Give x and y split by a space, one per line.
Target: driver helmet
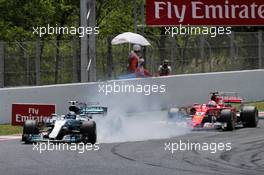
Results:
71 115
54 115
211 103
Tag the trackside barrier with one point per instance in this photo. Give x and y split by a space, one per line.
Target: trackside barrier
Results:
179 90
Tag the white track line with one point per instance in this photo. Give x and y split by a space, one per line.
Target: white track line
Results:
3 138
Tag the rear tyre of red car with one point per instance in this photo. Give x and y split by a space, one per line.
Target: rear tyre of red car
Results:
249 116
30 127
175 114
88 130
227 117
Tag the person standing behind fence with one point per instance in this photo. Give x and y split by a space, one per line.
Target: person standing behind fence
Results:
134 58
141 72
164 69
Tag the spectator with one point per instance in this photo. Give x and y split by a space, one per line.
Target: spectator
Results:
164 69
134 58
141 72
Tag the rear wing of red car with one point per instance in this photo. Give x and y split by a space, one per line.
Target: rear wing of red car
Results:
230 97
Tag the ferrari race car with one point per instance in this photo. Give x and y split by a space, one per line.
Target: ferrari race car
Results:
76 126
224 110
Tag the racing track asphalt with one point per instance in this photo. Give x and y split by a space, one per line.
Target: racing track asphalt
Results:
143 157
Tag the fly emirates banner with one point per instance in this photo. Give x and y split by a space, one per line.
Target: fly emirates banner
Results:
205 12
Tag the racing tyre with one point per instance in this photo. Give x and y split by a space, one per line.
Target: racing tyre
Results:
249 116
30 127
177 114
228 118
88 130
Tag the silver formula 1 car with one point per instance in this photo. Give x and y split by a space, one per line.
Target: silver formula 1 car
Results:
76 126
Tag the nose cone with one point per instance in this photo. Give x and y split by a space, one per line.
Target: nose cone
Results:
196 120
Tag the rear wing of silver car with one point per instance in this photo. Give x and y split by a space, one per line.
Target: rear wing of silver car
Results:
94 110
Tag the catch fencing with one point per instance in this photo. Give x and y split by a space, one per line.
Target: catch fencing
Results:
55 62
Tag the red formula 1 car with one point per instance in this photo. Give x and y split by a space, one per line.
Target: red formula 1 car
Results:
224 110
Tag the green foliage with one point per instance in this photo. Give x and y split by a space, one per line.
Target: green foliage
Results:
7 129
259 105
18 17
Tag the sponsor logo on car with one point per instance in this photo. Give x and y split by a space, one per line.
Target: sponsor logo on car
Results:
22 112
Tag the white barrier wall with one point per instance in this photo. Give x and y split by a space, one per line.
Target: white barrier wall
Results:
179 90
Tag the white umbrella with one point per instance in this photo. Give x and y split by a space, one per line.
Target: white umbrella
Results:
129 37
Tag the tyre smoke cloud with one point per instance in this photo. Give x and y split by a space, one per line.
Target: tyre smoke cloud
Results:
131 117
139 127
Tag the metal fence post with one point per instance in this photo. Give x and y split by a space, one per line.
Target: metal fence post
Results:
260 62
202 54
37 62
84 41
74 60
26 56
232 49
134 3
173 55
2 83
182 60
142 17
110 63
92 41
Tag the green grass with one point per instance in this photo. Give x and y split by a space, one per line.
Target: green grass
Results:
8 129
259 105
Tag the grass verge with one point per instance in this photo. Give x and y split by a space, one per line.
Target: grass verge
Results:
8 129
259 105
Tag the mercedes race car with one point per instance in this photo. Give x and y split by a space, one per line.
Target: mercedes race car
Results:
224 111
76 126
